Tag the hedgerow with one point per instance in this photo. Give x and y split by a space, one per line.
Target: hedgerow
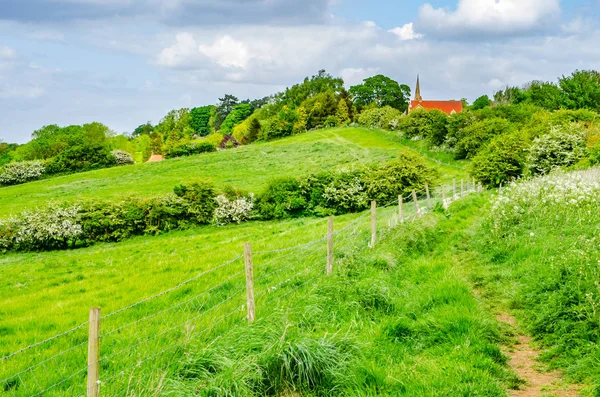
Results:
21 172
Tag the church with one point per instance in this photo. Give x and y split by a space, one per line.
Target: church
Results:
448 107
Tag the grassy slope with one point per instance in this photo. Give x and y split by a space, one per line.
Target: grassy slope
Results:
248 167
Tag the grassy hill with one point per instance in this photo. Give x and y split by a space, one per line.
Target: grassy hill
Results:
248 167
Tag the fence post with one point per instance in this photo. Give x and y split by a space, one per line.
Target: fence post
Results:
93 374
462 188
400 210
500 190
330 246
428 195
373 223
454 189
473 187
443 196
414 197
249 282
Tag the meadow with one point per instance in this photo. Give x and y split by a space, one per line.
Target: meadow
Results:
247 167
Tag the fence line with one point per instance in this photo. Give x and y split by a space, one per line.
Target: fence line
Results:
316 261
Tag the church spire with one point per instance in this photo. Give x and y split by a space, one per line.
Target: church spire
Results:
418 91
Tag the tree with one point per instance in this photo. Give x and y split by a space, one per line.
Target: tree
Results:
319 107
239 113
482 102
546 95
253 130
382 91
581 90
223 108
509 96
321 82
200 120
143 129
342 112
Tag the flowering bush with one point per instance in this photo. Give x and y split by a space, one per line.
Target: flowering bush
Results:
50 228
563 146
21 172
346 193
122 157
230 211
379 117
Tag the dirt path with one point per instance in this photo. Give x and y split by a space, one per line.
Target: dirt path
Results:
523 361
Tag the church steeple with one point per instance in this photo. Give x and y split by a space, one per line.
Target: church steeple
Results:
418 91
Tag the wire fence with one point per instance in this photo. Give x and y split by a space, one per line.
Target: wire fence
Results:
142 342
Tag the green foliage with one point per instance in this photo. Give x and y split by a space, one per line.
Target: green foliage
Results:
80 158
342 114
482 102
581 90
238 114
478 134
545 95
200 195
190 149
509 96
382 91
384 118
283 198
428 124
248 131
174 127
319 108
502 161
122 157
321 82
561 147
143 129
222 110
200 119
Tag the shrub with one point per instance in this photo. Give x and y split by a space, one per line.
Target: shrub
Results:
563 146
189 149
122 157
456 125
200 195
478 134
378 117
21 172
172 212
408 172
102 221
283 198
54 227
331 121
502 161
346 192
81 158
429 124
233 210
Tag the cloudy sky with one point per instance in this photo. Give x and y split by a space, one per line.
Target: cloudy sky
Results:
125 62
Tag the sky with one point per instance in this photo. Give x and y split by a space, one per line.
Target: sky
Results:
126 62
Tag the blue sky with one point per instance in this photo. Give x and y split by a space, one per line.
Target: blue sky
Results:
125 62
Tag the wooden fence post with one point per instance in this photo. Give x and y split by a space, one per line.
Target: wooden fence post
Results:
473 186
330 246
414 197
400 209
462 188
443 196
454 189
93 375
428 195
500 190
373 223
249 282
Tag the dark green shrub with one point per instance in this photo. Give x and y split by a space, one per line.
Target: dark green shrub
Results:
502 161
283 198
200 196
172 212
477 135
456 125
427 124
398 177
189 149
80 158
104 221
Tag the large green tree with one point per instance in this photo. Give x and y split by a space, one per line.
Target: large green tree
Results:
581 90
382 91
239 113
200 119
224 107
481 102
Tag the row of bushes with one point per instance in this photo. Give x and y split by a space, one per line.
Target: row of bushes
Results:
76 159
59 226
191 148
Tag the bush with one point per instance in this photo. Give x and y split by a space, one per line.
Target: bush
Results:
593 147
477 135
379 117
283 198
21 172
502 161
236 210
81 158
102 221
429 124
200 195
54 227
122 157
562 147
346 192
398 177
192 148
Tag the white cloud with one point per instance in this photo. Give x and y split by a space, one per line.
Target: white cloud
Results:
227 52
184 51
353 76
504 17
406 32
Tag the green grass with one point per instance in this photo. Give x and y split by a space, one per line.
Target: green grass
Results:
249 167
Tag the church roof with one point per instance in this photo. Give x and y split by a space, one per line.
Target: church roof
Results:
447 107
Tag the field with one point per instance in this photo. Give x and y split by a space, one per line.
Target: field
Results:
417 315
248 167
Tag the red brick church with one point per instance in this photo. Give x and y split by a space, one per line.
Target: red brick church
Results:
448 107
